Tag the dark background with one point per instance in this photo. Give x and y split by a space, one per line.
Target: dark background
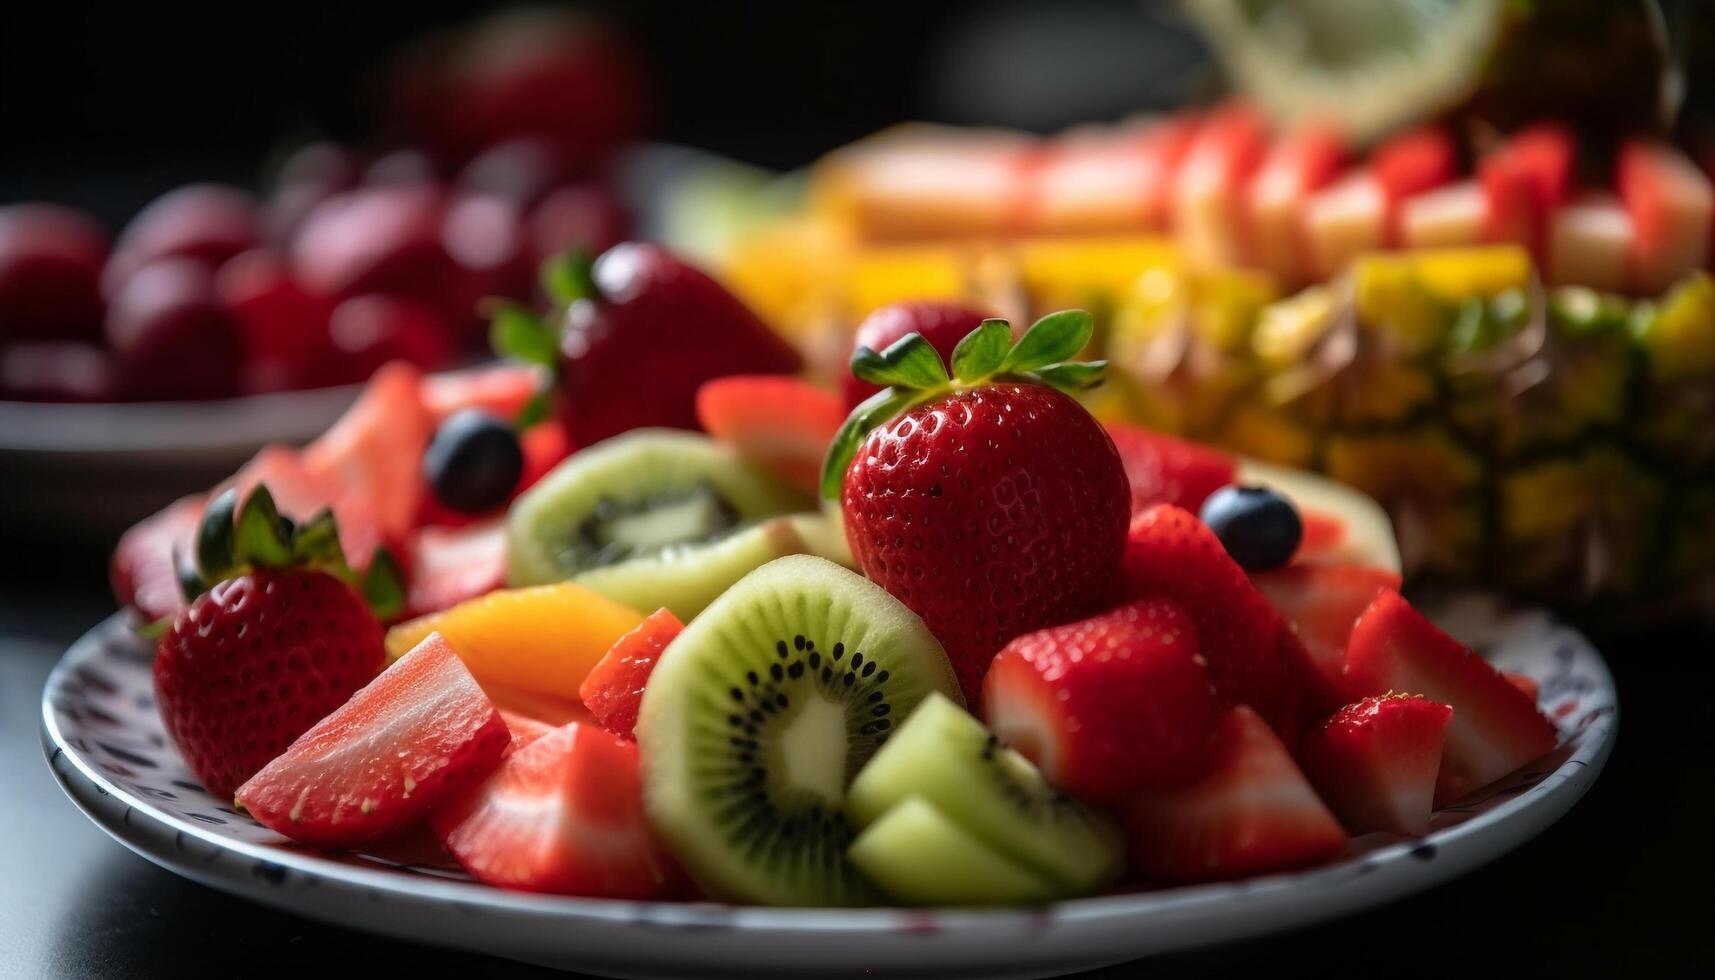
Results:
107 108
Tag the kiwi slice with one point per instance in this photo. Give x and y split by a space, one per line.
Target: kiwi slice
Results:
995 795
758 715
685 578
640 512
914 854
824 534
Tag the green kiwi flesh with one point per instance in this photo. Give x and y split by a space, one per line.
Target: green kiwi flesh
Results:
651 496
949 760
917 856
757 716
686 578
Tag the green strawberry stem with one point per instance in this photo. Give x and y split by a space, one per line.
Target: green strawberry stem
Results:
517 332
911 373
232 540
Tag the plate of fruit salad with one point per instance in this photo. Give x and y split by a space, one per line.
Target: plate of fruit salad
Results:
935 674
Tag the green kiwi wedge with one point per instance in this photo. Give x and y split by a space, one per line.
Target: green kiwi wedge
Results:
917 856
655 517
948 759
824 534
758 715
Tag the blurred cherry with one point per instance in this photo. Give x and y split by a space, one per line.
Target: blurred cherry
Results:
368 331
522 170
384 240
310 175
50 273
402 168
206 222
486 236
285 326
586 216
62 371
173 336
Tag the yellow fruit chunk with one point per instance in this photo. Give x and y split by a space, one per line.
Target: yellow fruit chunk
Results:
1390 298
1457 273
1680 337
543 639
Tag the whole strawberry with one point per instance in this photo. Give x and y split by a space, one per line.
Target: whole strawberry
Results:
993 504
280 639
942 323
642 330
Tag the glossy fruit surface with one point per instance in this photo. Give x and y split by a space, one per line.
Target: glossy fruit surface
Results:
990 512
473 462
614 689
173 335
943 324
1162 469
207 223
1375 762
50 273
1258 527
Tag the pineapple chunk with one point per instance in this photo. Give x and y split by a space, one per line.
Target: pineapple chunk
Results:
1589 241
1344 221
1452 215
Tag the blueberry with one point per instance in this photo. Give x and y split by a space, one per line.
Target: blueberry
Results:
1258 527
473 462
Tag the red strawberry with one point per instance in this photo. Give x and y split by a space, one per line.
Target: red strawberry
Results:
1375 762
990 508
416 737
275 644
1321 603
1251 654
376 447
1108 705
563 814
450 565
614 688
642 333
1495 728
942 323
523 729
781 422
1410 164
1251 812
1165 470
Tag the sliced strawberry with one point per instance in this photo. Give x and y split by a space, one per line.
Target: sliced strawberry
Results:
1495 728
450 565
1165 470
376 447
1300 162
1251 812
780 422
1170 554
1526 684
1375 762
564 815
301 493
1210 188
1411 164
614 688
142 572
499 388
1108 705
523 729
1672 206
1524 181
413 738
1321 604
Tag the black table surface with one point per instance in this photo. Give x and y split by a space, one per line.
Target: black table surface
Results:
1620 887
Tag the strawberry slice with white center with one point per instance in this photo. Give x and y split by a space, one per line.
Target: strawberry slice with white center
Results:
1671 203
1251 812
1524 181
1411 164
452 564
407 742
1445 217
1321 603
1375 762
564 814
1495 728
1107 705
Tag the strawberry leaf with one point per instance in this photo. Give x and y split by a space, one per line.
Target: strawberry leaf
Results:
1054 338
1071 376
216 534
878 408
517 333
260 537
982 351
316 542
909 362
383 586
566 277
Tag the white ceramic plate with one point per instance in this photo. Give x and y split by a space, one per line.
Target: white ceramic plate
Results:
105 744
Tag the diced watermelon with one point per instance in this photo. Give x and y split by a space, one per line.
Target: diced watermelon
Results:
1252 812
1411 164
780 422
1524 181
449 565
1526 684
1299 163
1375 762
1321 604
376 448
502 389
1495 728
1343 221
1165 470
1672 208
523 729
613 691
1210 187
142 573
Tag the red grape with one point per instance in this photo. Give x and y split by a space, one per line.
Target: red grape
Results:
485 236
50 273
384 240
285 326
520 170
586 216
173 335
368 331
311 175
207 222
